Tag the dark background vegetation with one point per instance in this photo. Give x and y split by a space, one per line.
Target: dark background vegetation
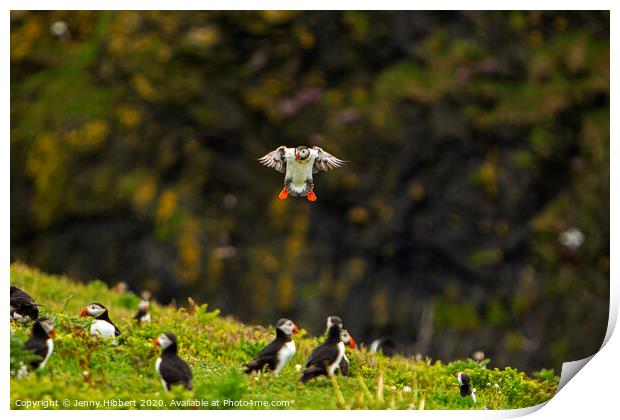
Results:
475 139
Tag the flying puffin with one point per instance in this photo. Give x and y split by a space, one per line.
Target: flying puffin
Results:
349 341
299 163
171 368
277 353
143 314
326 358
23 306
465 385
102 325
40 342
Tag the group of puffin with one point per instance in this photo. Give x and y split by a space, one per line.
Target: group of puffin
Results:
326 359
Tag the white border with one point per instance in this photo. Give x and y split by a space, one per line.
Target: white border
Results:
591 393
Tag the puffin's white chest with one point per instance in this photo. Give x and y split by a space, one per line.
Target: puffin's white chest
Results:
157 365
145 318
332 368
298 172
285 354
102 328
50 349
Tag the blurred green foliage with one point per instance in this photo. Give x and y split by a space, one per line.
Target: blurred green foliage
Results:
475 139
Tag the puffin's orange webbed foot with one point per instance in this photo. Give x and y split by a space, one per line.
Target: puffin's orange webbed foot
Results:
283 194
311 196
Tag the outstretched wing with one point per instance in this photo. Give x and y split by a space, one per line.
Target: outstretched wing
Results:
325 161
275 159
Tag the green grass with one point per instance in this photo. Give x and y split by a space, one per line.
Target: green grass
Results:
85 369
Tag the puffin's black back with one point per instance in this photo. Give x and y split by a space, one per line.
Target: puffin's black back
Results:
173 369
37 343
269 355
324 355
23 303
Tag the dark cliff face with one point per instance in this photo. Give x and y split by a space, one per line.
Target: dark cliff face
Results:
478 149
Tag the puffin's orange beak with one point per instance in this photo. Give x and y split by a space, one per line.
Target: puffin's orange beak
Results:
156 342
295 329
83 313
53 333
352 343
296 155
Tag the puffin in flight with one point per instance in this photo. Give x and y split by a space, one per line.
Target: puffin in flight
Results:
326 358
102 325
40 342
171 368
299 163
23 306
277 353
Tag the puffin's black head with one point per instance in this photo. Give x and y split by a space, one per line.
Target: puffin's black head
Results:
43 328
94 309
166 341
302 153
334 319
333 333
287 326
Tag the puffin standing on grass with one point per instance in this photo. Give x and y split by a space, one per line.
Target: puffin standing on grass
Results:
277 353
23 306
171 368
143 314
326 358
40 342
465 386
346 339
102 325
299 163
385 345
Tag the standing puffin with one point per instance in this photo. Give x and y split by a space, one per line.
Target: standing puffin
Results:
385 345
349 341
299 163
277 353
171 368
465 386
346 339
143 314
23 306
40 342
102 325
326 358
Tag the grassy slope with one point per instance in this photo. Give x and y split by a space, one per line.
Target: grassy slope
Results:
82 368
